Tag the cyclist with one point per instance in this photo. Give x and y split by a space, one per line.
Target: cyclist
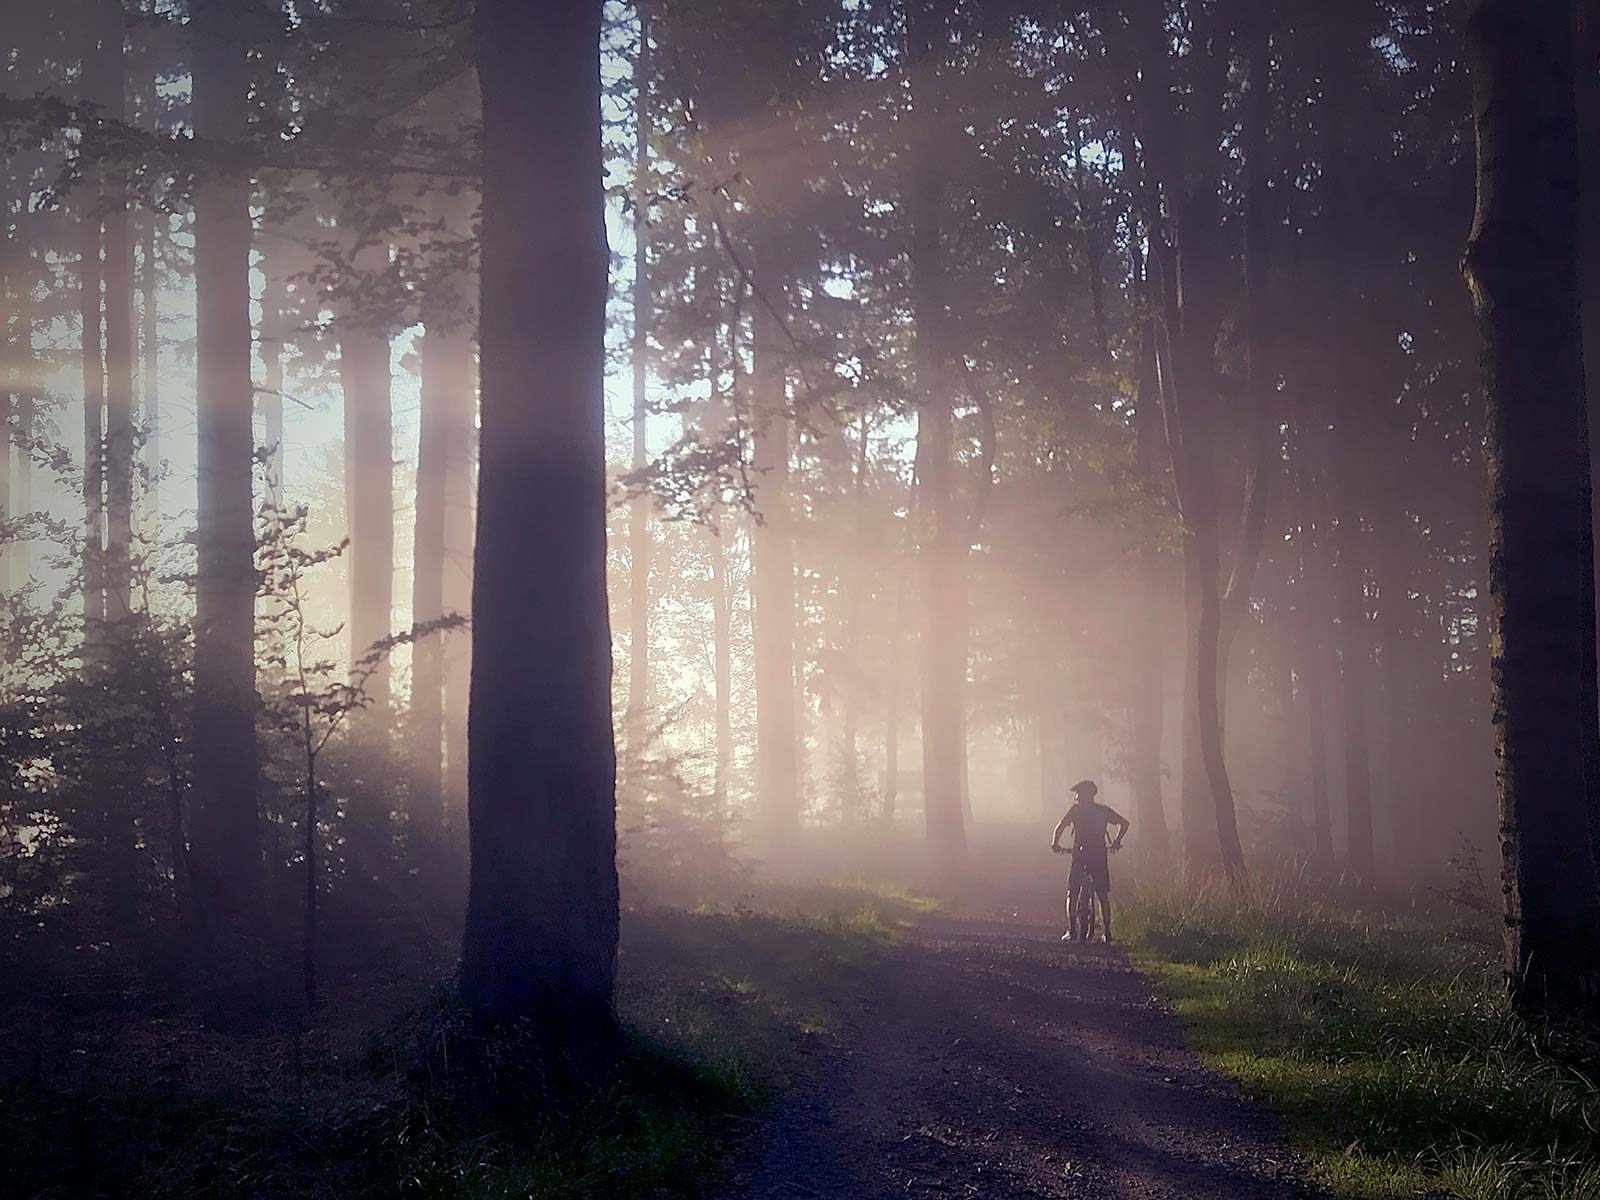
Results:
1091 824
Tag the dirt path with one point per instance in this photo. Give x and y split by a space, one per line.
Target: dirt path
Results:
992 1061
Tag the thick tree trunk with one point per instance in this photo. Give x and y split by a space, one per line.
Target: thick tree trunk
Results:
541 929
639 513
1588 112
1521 265
226 824
772 584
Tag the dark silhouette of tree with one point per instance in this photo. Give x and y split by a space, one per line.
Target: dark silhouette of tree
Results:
226 832
541 929
1522 266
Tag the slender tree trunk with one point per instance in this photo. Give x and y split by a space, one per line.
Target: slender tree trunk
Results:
541 929
444 438
150 366
94 399
369 487
1314 662
722 648
1147 693
16 351
460 438
24 417
1521 266
772 585
121 358
226 824
274 335
1190 411
639 513
427 585
856 585
943 648
150 317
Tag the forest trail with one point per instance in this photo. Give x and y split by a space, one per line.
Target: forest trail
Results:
990 1060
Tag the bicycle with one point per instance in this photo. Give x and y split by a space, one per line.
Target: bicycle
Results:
1081 904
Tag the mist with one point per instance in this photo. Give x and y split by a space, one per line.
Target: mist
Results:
566 547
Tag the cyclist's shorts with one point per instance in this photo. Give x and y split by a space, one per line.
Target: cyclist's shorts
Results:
1093 868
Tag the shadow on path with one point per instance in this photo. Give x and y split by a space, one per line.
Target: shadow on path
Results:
993 1061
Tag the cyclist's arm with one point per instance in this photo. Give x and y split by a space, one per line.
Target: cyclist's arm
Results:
1123 826
1055 839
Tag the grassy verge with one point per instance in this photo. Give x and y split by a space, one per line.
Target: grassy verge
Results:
720 1007
1382 1038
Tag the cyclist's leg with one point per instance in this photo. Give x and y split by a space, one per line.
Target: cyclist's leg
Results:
1074 899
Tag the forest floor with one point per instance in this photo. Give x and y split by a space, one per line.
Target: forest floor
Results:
988 1059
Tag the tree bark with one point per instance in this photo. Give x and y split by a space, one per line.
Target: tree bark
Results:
541 931
274 335
943 553
369 486
639 512
443 434
226 824
1521 267
1189 262
121 365
1147 691
1588 114
772 582
94 397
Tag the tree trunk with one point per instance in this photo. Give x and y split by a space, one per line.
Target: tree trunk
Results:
1521 266
460 443
722 648
943 657
639 512
1147 691
94 399
150 366
772 583
857 587
541 931
1313 625
443 434
24 415
369 488
226 825
121 365
274 335
1588 113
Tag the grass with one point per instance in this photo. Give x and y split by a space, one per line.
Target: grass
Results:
719 1005
1382 1037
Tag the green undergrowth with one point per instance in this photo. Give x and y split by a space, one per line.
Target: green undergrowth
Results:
1383 1038
720 1007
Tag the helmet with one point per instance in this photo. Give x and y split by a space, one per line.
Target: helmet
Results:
1085 787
